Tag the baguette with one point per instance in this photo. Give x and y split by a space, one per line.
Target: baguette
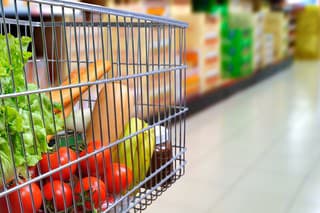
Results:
93 75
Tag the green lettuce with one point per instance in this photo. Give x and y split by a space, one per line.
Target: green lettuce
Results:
25 121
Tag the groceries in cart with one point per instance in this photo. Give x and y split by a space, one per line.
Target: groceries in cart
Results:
92 107
64 139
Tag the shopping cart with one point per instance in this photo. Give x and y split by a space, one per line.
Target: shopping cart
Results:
92 113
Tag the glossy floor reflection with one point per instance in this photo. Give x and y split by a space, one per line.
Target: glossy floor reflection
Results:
256 152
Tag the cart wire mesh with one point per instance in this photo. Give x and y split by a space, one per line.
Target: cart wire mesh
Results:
92 113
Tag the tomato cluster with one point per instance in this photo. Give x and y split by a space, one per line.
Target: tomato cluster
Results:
30 197
73 186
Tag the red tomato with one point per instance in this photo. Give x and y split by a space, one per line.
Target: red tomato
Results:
27 196
33 171
3 205
97 188
119 179
54 159
95 163
58 191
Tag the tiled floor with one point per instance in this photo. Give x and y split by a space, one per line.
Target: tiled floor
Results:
256 152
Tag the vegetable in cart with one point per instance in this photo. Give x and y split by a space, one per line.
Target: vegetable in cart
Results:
21 120
137 151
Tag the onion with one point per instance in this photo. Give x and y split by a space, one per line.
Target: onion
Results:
79 126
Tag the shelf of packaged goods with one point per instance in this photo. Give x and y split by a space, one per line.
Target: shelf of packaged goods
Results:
226 88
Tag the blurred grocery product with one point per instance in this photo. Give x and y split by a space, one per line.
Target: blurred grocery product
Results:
307 33
267 49
276 23
203 5
202 54
291 14
258 22
194 53
237 45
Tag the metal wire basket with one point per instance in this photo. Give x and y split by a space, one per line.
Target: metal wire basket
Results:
92 113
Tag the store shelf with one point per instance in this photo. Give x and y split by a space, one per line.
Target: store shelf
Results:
231 87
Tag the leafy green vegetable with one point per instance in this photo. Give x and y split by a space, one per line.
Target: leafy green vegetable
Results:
25 121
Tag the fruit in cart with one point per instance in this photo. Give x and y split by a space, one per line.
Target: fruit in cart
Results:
33 171
124 153
94 192
144 155
119 178
94 166
31 199
59 194
56 159
25 121
110 113
3 205
136 152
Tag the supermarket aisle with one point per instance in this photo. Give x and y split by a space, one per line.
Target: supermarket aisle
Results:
256 152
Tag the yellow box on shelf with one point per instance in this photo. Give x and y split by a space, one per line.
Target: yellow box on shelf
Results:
307 43
276 24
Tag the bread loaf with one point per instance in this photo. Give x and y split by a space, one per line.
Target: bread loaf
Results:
94 72
115 106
